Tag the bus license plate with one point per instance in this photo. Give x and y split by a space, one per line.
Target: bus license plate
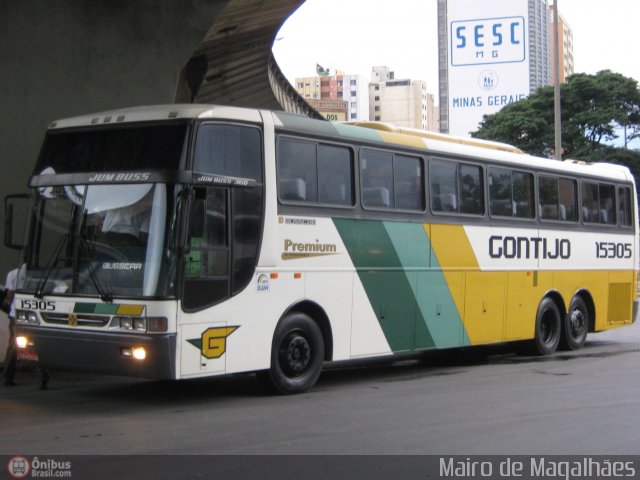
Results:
28 355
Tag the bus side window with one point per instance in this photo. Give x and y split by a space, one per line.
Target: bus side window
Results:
511 193
297 171
598 203
443 186
607 204
377 179
232 150
590 210
471 189
335 175
408 175
568 197
548 197
624 206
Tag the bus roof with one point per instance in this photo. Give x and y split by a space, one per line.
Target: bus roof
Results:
475 142
153 113
371 132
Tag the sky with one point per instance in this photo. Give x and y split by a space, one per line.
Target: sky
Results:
355 35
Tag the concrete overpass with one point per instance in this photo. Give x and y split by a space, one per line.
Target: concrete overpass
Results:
66 57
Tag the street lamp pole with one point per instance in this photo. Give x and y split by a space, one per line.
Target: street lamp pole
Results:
557 120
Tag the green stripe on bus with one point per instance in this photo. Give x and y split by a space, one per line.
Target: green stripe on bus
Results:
103 308
436 306
389 289
350 131
404 283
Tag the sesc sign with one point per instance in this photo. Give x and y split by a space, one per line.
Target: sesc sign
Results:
488 57
488 41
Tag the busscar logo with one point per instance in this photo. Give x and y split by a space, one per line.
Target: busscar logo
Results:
121 266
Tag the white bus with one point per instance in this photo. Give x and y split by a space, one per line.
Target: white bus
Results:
186 241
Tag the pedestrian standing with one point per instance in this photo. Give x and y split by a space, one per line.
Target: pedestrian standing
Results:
11 356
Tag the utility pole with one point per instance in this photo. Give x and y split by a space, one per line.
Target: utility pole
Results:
557 119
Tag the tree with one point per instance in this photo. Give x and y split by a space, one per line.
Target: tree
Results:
594 108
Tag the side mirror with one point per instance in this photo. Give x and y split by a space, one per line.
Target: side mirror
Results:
15 225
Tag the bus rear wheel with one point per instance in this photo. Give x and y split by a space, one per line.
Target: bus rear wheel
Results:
548 328
575 325
297 353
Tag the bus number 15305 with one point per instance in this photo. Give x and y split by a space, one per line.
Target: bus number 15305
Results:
613 250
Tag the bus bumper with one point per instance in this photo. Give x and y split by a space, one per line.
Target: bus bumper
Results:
102 352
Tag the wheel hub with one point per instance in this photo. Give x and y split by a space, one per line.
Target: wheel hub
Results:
297 354
577 322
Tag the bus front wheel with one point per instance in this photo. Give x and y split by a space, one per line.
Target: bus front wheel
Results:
575 325
548 327
297 354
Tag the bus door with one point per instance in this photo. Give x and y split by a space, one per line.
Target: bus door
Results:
206 281
223 238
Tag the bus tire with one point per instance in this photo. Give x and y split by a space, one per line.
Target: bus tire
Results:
297 353
548 327
575 325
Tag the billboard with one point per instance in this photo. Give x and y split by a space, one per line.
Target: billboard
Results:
332 110
488 59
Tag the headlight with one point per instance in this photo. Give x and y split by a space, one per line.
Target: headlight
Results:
139 353
139 324
27 317
123 323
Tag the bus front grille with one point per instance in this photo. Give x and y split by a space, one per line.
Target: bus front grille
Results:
83 320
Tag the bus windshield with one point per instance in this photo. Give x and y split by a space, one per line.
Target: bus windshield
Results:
105 240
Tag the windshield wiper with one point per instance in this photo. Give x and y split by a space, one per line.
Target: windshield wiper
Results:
53 260
84 251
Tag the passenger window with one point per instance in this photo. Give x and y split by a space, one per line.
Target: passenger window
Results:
335 172
377 179
314 173
568 197
607 204
444 189
230 150
456 187
511 193
471 189
297 172
625 215
523 194
590 209
392 180
548 198
557 198
408 181
598 203
500 192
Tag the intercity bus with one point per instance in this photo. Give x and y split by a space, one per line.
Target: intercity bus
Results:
258 241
